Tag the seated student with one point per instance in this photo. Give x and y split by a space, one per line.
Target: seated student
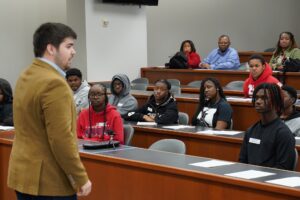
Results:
286 48
213 109
222 58
269 142
95 122
260 72
290 115
6 99
120 94
80 88
160 108
193 58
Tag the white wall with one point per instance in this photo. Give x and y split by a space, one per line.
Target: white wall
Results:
121 47
18 21
251 24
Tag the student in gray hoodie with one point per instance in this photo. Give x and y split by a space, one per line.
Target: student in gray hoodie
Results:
80 88
120 95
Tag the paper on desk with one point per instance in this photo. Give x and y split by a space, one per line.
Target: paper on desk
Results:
212 163
215 132
290 181
147 123
7 128
240 99
297 138
250 174
175 127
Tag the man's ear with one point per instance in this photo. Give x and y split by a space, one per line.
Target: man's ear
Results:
50 49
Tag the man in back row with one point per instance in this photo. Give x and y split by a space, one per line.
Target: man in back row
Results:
222 58
44 161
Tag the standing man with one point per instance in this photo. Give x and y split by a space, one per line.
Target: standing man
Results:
269 142
222 58
44 161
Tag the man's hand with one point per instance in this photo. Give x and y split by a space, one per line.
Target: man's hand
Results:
85 189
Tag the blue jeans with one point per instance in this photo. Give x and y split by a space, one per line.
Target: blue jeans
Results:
22 196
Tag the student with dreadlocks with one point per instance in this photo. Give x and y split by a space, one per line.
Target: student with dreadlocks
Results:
269 142
100 118
6 99
213 109
290 115
160 108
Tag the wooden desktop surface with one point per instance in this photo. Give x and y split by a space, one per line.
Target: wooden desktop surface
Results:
135 173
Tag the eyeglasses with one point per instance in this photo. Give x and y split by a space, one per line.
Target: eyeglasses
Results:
94 95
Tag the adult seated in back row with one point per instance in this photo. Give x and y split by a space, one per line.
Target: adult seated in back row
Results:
160 108
193 58
286 48
260 72
222 58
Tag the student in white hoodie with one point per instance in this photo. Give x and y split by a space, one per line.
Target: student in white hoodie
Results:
80 88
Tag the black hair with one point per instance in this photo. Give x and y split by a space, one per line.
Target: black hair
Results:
6 90
164 81
257 57
193 49
73 72
291 91
293 44
275 96
202 100
104 112
50 33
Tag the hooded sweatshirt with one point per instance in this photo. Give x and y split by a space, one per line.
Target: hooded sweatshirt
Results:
94 124
266 77
81 97
165 113
6 111
124 101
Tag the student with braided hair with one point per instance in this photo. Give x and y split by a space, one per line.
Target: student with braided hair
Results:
99 118
269 142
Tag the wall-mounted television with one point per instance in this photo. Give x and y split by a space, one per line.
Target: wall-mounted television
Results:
134 2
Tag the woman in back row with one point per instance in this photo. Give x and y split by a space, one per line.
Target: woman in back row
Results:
286 48
193 58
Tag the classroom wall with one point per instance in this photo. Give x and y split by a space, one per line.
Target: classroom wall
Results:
251 24
121 47
18 21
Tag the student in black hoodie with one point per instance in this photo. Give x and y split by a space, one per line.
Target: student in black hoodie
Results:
6 99
269 142
160 108
290 115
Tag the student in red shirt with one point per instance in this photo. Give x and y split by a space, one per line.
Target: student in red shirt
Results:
99 118
188 48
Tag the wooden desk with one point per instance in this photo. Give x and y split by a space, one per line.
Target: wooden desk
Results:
224 76
245 55
136 173
212 146
244 115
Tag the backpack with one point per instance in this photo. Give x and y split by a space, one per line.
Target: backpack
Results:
291 65
178 61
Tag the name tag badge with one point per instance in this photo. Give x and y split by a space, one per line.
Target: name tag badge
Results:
254 141
120 104
149 109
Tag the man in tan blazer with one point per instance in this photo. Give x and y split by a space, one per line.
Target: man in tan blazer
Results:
44 161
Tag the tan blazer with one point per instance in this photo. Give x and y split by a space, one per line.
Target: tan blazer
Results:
44 158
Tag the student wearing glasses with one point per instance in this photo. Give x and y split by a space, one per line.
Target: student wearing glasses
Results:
222 58
100 118
160 108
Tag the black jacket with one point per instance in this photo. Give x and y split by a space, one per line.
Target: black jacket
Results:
165 113
6 113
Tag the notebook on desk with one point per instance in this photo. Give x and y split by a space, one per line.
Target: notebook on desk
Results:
100 145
